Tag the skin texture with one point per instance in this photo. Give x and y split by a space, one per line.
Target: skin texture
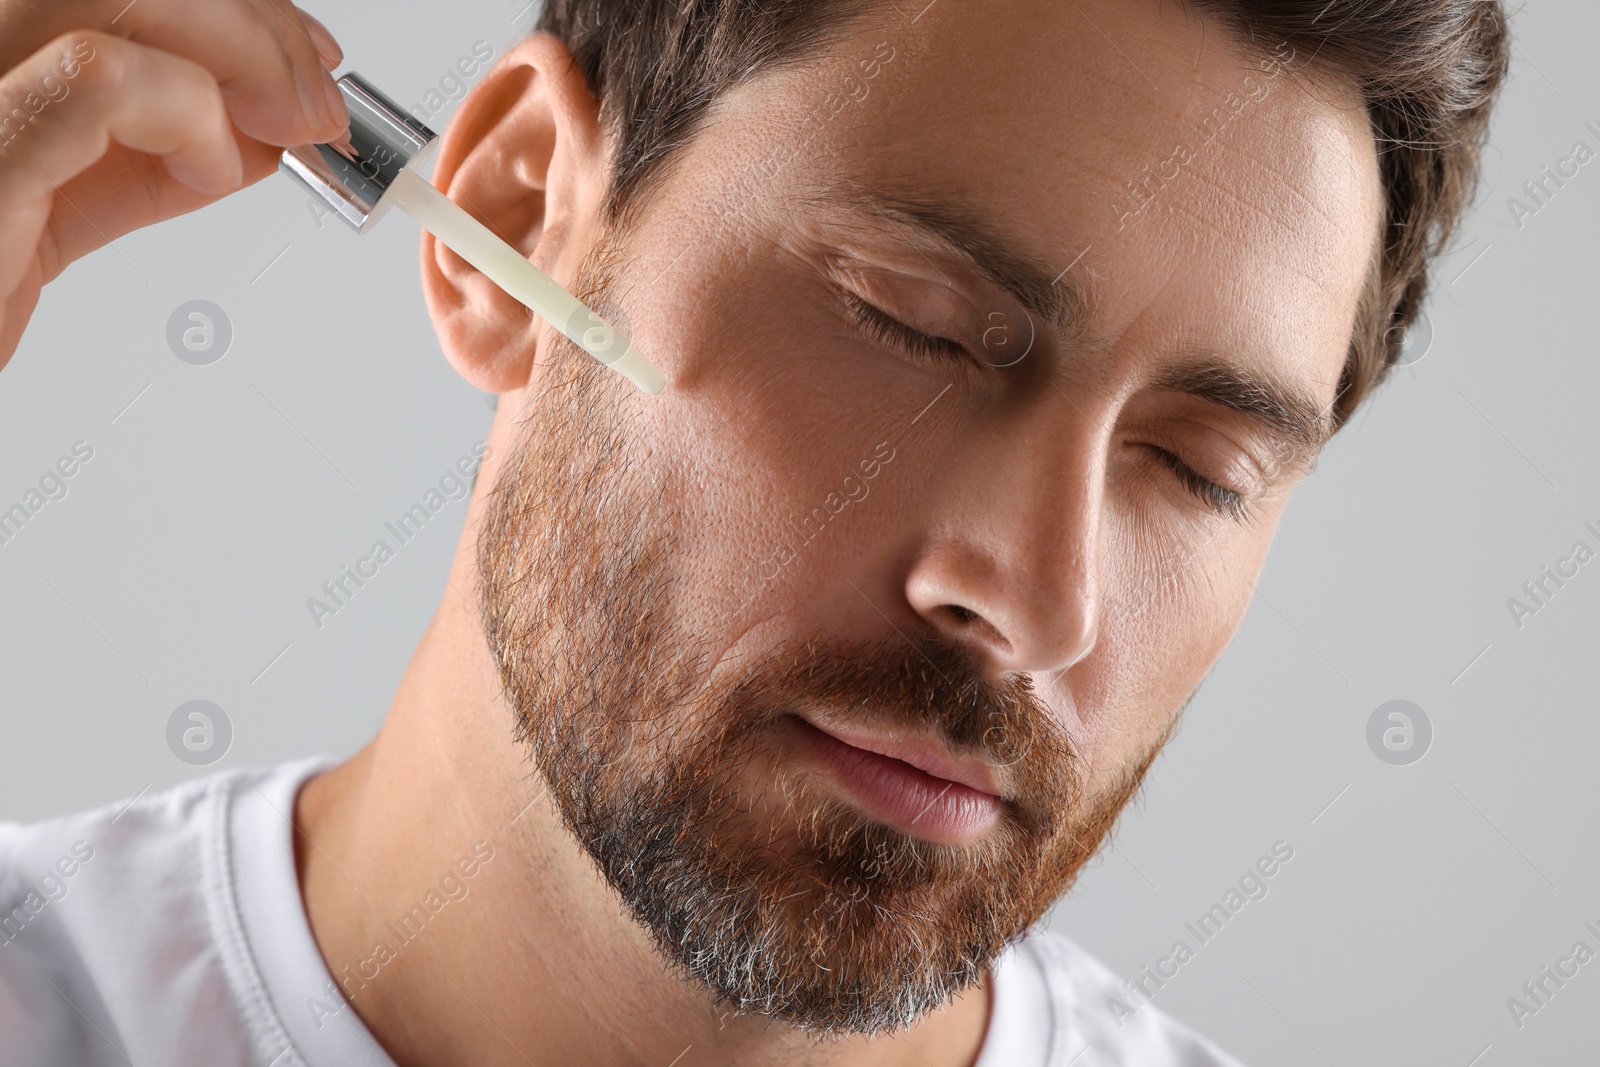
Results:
1027 522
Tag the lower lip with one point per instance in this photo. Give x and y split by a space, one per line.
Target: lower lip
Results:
892 791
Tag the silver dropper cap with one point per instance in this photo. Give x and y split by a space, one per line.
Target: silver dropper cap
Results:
353 174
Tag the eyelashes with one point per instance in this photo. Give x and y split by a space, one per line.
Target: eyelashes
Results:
1224 501
888 330
891 331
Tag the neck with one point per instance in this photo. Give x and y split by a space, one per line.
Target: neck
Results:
466 925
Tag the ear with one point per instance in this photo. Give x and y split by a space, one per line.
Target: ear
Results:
526 155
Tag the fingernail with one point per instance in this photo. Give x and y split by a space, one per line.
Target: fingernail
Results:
338 113
332 55
312 104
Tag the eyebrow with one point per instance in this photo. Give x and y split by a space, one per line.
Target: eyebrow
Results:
961 231
1289 413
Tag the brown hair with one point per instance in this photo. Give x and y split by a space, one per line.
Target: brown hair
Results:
1427 69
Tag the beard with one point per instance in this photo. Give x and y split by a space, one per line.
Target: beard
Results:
752 875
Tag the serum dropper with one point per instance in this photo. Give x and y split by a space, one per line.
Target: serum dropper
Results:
375 167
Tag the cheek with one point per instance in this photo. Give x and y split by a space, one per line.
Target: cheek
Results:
776 413
776 511
1170 606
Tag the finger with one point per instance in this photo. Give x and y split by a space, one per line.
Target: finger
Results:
126 191
256 67
145 99
18 297
312 79
328 49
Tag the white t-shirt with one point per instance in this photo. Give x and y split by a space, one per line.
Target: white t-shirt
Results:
169 932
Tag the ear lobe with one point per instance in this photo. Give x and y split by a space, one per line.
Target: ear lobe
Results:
526 156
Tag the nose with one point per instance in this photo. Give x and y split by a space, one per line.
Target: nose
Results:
1011 568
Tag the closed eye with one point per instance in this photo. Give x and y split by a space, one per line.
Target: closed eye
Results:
891 331
1225 501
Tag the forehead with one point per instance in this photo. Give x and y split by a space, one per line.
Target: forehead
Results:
1131 145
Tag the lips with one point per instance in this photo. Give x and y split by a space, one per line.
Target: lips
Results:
921 754
908 783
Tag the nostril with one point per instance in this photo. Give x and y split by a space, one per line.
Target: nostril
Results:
974 630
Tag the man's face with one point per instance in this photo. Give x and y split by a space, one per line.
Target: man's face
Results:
1006 555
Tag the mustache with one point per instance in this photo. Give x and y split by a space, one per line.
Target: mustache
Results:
922 686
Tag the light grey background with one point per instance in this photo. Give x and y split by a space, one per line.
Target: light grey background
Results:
1419 898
